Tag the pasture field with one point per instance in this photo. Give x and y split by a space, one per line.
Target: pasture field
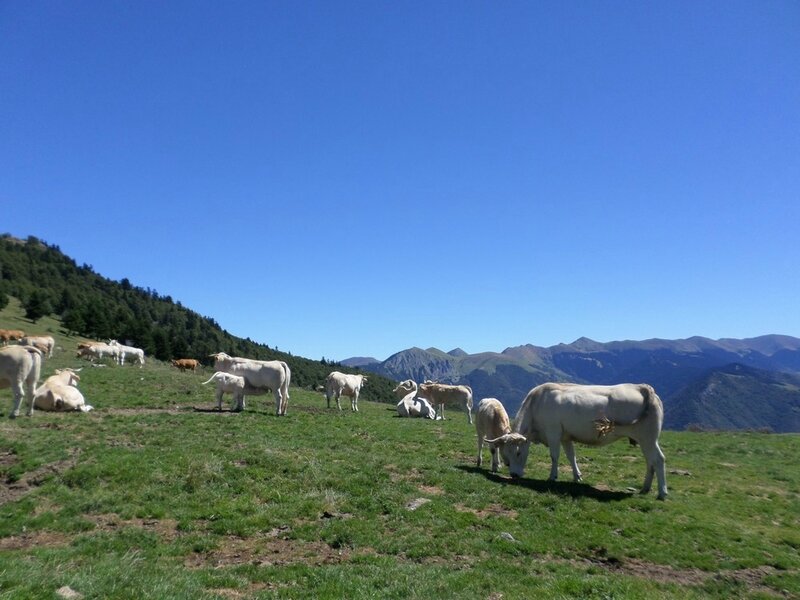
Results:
156 495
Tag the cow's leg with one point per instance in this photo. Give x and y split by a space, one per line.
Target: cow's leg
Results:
554 452
219 400
354 403
495 458
655 466
441 410
278 401
18 393
284 402
469 413
479 462
328 398
569 450
338 396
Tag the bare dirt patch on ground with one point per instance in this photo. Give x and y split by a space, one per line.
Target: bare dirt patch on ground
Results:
266 550
251 589
753 579
12 491
167 529
172 410
395 474
35 539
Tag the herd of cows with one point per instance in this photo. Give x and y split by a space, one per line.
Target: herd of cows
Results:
553 414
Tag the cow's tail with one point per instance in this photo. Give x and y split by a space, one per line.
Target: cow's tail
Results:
651 405
33 377
210 380
287 379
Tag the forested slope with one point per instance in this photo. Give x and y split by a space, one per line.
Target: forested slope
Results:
47 282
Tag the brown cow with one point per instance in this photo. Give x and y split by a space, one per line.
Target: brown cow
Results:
8 335
185 363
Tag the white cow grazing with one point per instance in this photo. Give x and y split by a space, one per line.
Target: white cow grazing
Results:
19 369
440 394
410 405
556 414
232 384
99 351
124 352
338 384
491 422
259 375
60 393
45 343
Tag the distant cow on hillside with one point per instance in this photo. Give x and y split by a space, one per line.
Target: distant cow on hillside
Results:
186 363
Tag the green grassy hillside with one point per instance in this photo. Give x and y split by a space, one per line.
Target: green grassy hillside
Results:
154 495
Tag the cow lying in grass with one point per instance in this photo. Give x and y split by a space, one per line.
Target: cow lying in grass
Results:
60 393
410 405
558 414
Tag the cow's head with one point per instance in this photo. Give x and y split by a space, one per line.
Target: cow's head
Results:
405 387
514 448
71 376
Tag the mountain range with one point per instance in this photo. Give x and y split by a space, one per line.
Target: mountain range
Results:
710 384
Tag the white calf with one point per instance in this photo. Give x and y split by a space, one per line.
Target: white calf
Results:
124 352
491 421
338 384
227 383
440 394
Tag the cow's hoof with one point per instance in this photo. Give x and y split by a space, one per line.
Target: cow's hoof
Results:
13 416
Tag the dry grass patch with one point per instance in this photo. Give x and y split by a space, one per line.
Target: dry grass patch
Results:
13 491
36 539
492 510
167 529
269 551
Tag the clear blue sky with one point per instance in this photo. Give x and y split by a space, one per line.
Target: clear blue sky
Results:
355 178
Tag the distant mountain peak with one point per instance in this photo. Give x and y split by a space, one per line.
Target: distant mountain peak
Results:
359 361
457 352
587 345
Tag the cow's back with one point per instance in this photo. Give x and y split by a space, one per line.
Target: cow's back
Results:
575 411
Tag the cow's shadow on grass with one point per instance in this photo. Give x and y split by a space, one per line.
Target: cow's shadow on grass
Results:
542 486
202 409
